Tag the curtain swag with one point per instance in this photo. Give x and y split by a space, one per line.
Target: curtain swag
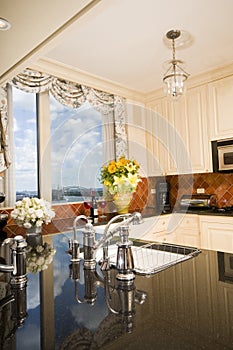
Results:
4 152
68 93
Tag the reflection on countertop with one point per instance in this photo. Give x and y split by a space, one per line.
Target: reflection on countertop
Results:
188 306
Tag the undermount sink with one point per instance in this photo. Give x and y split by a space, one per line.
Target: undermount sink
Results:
151 258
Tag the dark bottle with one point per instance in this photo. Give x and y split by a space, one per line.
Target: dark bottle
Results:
94 209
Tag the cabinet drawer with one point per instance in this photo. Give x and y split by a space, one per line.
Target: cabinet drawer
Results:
189 222
160 237
161 225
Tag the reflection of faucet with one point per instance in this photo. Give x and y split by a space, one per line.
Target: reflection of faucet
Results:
13 315
91 281
128 295
126 291
18 257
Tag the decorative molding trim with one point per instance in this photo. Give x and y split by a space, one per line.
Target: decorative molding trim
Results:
60 70
55 68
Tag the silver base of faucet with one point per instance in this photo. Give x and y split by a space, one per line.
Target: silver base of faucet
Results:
125 276
89 264
19 281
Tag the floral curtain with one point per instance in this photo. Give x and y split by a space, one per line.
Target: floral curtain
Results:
4 153
74 95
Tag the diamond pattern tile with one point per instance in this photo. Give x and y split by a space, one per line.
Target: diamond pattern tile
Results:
143 200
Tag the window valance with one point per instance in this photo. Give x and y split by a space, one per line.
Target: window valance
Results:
68 93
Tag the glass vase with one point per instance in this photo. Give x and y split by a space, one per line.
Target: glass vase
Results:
34 236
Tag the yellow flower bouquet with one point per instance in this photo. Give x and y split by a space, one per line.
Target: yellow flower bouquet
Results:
121 176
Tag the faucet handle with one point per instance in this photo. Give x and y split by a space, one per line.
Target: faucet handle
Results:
18 243
105 264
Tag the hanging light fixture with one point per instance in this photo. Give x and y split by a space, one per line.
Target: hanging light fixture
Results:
175 75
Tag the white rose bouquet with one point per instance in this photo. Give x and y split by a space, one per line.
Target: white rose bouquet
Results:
38 258
32 212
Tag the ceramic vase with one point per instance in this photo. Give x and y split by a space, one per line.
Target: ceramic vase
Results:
122 202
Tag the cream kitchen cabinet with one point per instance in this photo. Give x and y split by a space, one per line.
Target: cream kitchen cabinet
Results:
220 108
216 233
182 229
157 138
196 134
159 231
189 117
179 136
186 229
136 117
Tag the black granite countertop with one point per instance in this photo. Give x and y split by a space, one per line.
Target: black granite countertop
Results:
188 306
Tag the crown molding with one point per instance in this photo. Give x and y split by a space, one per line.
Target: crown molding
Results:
57 69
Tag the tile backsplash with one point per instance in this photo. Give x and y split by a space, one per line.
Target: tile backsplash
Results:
213 183
144 199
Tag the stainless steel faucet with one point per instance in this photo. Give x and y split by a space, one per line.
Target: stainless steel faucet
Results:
90 245
73 243
124 261
17 246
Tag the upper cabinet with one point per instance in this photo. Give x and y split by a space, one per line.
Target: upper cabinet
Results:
136 119
197 132
178 141
220 108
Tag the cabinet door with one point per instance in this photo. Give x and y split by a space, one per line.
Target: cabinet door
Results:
181 130
221 106
152 143
192 139
162 139
198 139
217 233
159 231
136 116
187 230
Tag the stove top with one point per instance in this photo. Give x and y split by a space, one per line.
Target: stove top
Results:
222 210
209 211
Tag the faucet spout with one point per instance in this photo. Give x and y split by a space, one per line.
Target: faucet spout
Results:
135 218
73 243
78 218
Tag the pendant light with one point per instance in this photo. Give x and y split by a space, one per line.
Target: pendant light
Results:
175 76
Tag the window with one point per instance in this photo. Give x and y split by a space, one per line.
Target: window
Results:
25 143
76 151
58 151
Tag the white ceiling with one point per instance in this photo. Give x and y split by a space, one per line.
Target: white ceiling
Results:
121 41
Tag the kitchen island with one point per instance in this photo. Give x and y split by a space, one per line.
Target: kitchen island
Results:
187 306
